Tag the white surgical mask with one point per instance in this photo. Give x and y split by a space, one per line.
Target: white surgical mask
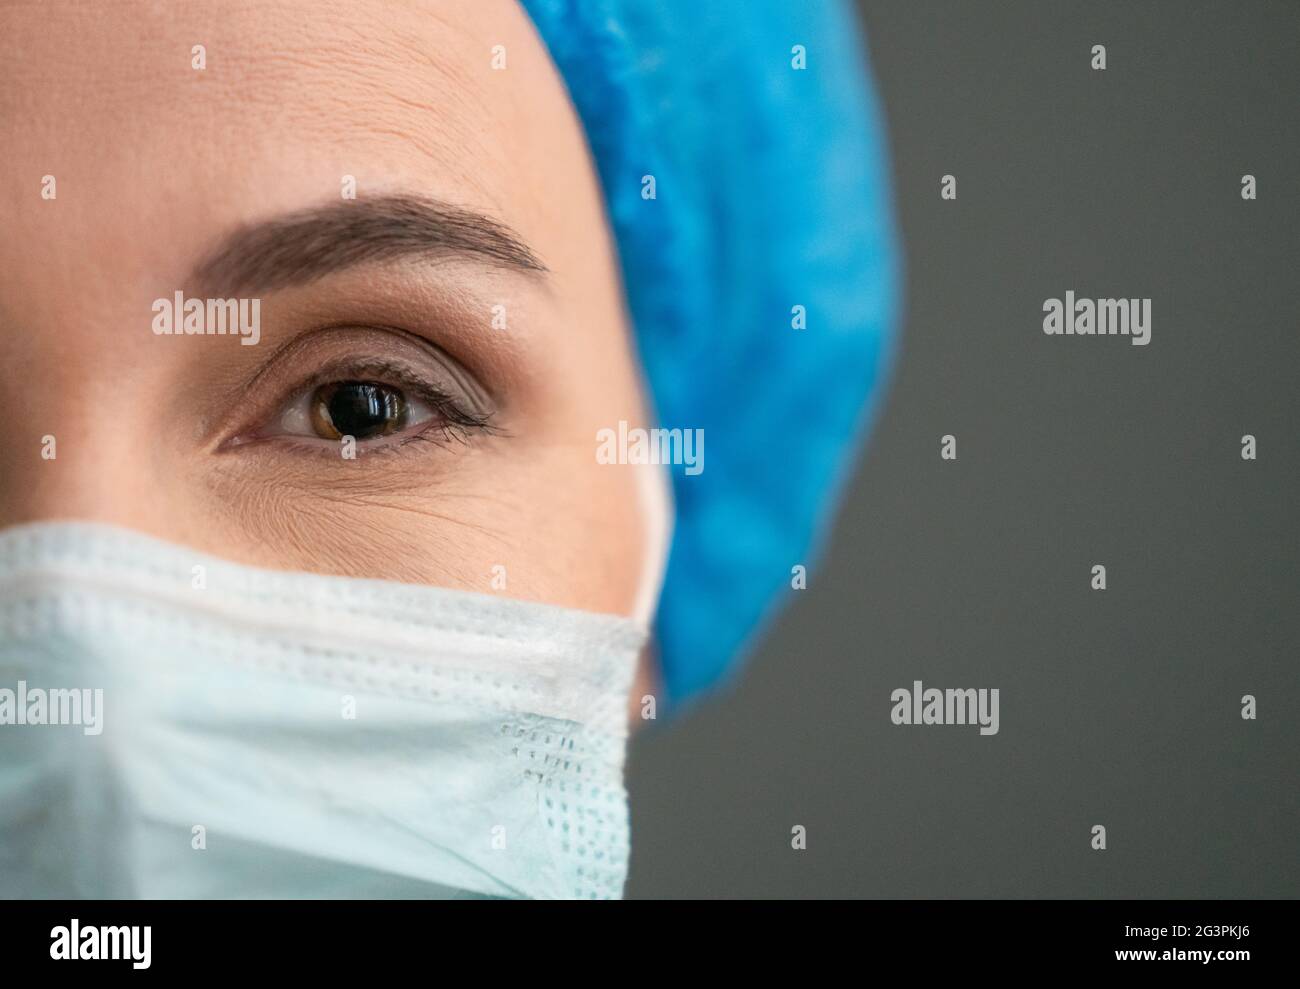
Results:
269 734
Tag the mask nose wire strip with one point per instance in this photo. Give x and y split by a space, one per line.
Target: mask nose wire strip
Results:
563 673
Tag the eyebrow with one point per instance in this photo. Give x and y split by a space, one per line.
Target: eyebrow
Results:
299 247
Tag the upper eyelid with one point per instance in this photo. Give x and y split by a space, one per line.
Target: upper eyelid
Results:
304 340
388 371
479 397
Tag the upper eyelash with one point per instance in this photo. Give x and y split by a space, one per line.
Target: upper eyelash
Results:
457 422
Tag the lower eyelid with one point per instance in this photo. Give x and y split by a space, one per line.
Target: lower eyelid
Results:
309 446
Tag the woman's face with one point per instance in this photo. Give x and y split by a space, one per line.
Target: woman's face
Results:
461 317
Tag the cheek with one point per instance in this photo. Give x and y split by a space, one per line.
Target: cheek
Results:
538 520
581 537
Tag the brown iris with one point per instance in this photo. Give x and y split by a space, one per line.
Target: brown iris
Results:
361 409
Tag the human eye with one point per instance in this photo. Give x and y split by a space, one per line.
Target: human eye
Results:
379 388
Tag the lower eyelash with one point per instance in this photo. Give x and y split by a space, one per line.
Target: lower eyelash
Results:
453 413
456 426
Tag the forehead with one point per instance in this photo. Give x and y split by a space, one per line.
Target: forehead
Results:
294 96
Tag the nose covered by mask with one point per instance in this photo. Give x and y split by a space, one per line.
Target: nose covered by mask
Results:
175 725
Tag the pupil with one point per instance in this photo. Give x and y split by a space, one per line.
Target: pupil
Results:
364 409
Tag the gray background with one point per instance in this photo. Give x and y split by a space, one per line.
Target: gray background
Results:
1120 707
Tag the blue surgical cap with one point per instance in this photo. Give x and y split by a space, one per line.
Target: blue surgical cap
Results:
761 277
